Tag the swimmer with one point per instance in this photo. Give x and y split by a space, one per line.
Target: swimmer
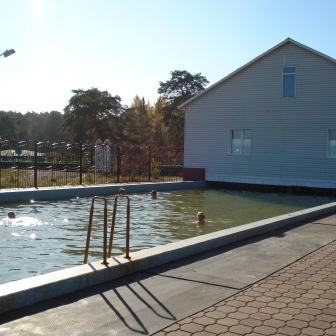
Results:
121 191
11 215
153 194
201 223
200 218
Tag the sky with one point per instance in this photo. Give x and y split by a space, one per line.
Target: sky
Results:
128 46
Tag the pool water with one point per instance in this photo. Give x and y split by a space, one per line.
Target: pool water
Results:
47 236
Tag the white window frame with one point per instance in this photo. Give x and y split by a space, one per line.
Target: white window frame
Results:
328 143
282 79
243 131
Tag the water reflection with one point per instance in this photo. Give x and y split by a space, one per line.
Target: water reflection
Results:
46 236
21 221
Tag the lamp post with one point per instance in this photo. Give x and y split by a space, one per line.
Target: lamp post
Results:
7 53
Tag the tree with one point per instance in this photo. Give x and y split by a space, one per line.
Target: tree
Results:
93 114
8 125
31 126
158 134
181 86
53 129
137 121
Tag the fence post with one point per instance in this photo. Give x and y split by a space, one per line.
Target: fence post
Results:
149 163
35 164
80 163
118 164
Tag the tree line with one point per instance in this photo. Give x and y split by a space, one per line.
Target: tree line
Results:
92 114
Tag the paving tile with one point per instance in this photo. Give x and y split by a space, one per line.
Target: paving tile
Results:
317 305
265 330
216 314
241 329
320 324
261 316
289 331
331 331
326 318
330 311
178 333
204 333
248 310
250 322
297 324
290 311
270 310
297 305
204 320
173 327
239 315
216 328
228 322
274 323
257 304
298 300
283 317
312 331
191 327
226 309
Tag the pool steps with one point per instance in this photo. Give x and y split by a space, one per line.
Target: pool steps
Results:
25 292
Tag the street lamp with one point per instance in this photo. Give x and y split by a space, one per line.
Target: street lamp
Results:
7 53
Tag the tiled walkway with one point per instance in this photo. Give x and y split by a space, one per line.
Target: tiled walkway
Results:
298 300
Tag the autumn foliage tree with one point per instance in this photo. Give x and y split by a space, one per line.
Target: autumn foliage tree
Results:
137 121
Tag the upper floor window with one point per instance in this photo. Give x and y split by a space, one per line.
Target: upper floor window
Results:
332 143
241 141
288 81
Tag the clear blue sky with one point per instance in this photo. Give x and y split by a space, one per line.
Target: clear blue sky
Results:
127 46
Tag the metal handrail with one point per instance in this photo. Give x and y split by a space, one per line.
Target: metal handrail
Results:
128 224
88 237
107 251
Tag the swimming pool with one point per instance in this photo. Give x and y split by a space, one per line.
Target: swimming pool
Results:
47 236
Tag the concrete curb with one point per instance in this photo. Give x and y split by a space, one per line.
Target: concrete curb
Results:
25 292
43 194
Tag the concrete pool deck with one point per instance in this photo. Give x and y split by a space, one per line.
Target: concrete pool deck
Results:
148 301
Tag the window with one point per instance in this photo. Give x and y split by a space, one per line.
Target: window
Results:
288 81
332 143
241 141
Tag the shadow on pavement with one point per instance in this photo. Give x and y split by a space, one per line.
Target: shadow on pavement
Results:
110 293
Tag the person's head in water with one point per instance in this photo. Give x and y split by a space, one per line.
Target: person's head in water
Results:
200 218
11 215
153 194
122 191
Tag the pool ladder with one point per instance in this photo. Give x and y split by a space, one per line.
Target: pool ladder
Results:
107 248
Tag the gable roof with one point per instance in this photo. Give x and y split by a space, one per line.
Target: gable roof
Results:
287 40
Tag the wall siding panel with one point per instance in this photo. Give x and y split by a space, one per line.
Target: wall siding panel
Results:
289 135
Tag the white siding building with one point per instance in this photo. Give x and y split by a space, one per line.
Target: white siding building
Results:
271 122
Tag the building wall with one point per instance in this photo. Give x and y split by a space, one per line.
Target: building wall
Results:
289 135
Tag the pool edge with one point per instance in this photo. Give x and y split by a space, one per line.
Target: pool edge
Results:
44 194
50 285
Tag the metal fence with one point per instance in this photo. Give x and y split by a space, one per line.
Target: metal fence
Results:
25 164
